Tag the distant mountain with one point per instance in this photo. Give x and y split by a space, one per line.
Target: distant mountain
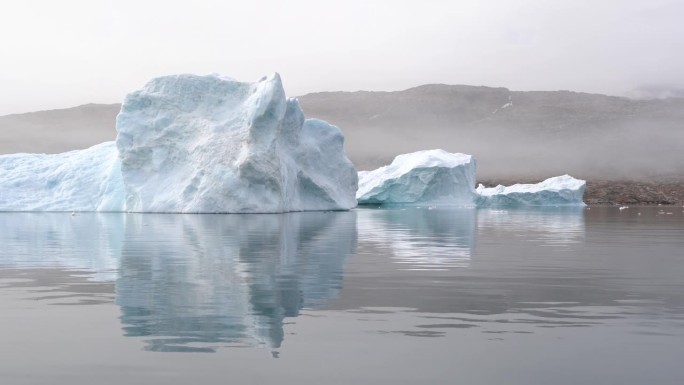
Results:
512 134
56 131
656 92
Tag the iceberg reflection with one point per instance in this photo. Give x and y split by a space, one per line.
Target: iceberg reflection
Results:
547 226
198 282
420 238
192 283
88 242
437 238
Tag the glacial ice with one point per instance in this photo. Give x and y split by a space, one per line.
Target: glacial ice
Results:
432 177
194 144
560 190
436 177
82 180
209 144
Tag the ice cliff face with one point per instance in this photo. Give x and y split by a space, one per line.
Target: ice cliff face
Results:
556 191
433 176
194 144
209 144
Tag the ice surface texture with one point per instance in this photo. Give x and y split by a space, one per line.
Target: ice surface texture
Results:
194 144
83 180
209 144
430 177
436 177
560 190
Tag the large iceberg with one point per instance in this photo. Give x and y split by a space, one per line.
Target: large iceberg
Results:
209 144
560 190
425 177
194 144
436 177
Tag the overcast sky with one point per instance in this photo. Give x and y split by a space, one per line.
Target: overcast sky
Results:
63 53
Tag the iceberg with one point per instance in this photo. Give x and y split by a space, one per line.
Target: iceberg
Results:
210 144
561 190
194 144
440 178
433 177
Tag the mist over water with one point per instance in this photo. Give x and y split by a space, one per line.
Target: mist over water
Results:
630 152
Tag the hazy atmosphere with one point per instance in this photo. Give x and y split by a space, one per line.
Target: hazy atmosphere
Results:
67 53
342 192
531 88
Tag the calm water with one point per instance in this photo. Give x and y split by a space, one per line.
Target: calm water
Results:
413 296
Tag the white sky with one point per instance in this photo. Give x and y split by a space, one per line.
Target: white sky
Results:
63 53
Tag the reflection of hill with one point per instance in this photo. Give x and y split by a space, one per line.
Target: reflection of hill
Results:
189 282
58 130
422 239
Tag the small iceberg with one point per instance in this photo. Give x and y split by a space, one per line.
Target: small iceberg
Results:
434 177
440 178
561 190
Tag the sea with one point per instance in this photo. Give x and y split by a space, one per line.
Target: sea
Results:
422 295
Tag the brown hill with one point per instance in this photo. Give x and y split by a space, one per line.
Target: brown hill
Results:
57 131
512 134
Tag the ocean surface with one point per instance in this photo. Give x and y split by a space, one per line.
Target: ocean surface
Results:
371 296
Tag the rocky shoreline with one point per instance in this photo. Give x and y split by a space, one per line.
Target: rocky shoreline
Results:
634 192
609 192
